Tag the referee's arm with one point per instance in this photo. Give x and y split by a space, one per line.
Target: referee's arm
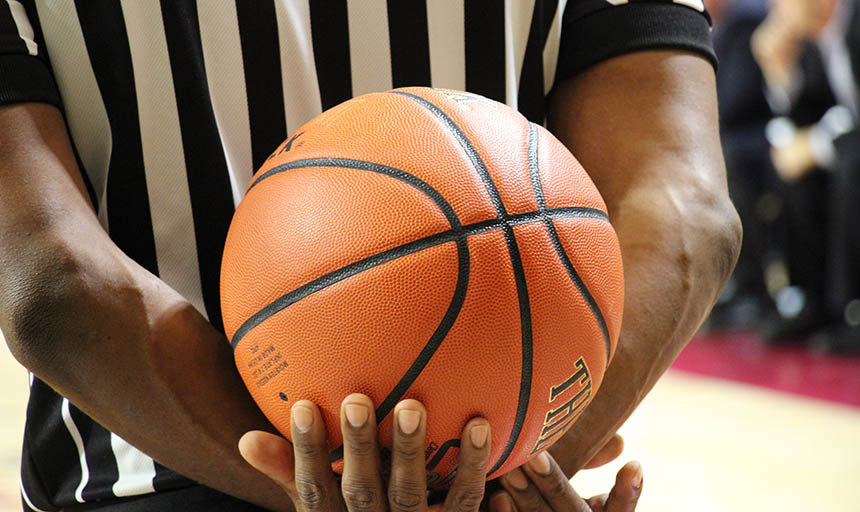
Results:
644 126
101 330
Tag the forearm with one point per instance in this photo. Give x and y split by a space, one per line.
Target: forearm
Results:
653 151
668 295
115 340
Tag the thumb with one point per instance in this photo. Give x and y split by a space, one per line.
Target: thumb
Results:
271 455
609 452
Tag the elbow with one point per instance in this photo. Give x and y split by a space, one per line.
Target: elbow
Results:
721 234
691 231
688 235
36 300
64 309
703 247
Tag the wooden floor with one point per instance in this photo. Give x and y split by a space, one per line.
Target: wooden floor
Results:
13 400
705 445
712 445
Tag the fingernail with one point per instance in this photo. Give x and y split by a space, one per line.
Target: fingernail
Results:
517 480
408 420
303 418
540 464
500 502
637 477
356 415
478 435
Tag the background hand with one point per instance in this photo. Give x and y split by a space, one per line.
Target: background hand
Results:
610 451
541 486
794 159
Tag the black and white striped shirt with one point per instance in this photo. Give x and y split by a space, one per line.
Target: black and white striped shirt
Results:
172 105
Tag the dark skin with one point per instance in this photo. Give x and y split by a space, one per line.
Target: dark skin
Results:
664 185
303 471
653 151
103 331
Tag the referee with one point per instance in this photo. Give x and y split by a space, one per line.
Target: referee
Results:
129 129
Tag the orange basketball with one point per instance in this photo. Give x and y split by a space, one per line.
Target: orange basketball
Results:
428 244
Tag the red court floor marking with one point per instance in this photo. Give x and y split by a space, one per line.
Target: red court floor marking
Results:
744 357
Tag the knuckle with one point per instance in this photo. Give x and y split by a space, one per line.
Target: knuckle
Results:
310 492
409 451
306 449
557 488
469 498
360 446
474 465
405 497
531 502
360 494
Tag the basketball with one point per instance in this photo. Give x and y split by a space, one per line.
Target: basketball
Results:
428 244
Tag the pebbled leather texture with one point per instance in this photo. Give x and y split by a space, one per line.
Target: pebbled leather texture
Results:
382 261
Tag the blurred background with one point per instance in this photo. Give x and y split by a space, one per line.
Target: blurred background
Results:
762 410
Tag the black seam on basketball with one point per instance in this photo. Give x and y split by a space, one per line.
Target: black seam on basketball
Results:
556 242
454 307
352 269
362 165
445 481
533 167
432 345
440 453
438 336
516 264
527 347
459 234
581 286
467 146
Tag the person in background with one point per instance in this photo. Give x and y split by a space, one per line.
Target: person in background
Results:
744 113
809 51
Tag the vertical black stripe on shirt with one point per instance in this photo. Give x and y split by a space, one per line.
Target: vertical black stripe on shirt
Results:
261 56
10 41
31 483
531 101
409 42
330 36
166 479
128 212
101 461
40 476
485 49
205 164
50 446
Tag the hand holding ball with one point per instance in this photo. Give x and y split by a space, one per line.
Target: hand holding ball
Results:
426 244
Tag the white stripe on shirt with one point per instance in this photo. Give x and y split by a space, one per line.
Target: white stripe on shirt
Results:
550 49
163 154
518 18
446 29
369 50
225 72
298 69
79 445
25 30
136 469
89 126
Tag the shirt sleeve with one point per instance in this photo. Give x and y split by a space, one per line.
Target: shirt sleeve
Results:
597 30
25 76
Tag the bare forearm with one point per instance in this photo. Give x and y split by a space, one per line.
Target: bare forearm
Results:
667 298
115 340
645 127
